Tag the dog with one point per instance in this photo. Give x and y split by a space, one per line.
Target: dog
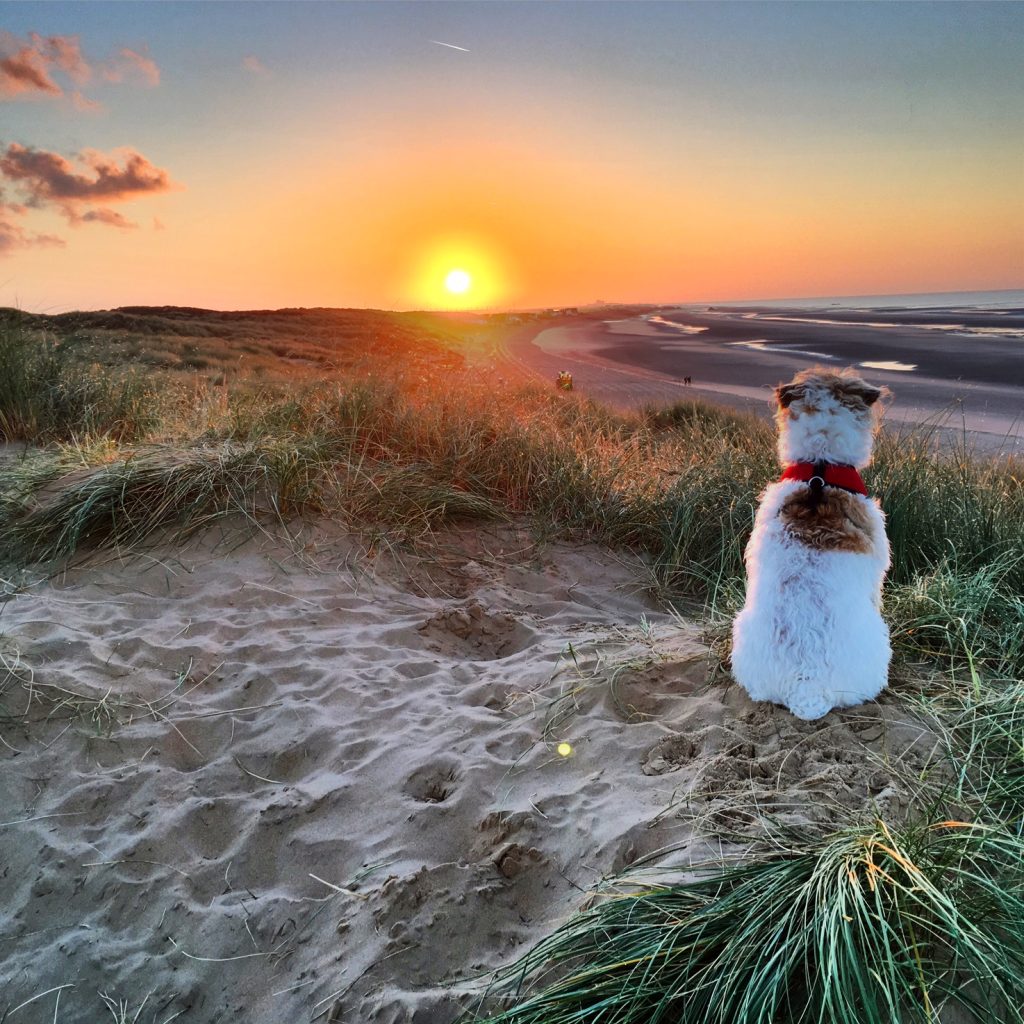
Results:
811 634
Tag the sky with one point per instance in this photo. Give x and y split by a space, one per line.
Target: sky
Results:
260 155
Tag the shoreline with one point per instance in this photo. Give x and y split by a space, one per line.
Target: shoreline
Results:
633 362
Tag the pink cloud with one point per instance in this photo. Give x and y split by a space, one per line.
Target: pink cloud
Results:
25 72
84 104
14 236
28 66
47 177
131 65
255 66
81 191
65 52
101 215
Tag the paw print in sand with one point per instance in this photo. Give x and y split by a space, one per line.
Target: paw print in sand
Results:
433 783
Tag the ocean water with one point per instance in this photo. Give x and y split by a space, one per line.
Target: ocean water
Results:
1006 299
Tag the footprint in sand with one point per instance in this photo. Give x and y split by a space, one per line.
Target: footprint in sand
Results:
766 761
671 754
433 783
470 631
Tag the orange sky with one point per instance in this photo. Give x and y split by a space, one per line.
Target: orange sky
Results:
550 180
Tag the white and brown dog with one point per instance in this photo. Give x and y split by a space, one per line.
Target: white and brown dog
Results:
811 634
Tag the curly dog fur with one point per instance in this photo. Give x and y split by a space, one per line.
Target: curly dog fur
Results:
811 634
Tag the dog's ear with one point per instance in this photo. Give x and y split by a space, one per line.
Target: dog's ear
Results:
786 393
868 393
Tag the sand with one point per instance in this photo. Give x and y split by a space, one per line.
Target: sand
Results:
306 780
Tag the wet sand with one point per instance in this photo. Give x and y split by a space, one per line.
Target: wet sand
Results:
968 367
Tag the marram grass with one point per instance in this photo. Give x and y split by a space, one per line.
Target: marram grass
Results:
384 450
873 925
969 616
177 492
983 722
46 396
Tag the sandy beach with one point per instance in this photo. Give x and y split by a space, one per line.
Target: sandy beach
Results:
298 780
337 758
961 369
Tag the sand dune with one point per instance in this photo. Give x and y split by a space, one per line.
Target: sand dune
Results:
303 781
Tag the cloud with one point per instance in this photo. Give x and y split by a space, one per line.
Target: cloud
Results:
14 236
101 215
25 72
45 177
81 191
84 104
255 66
130 65
65 52
27 68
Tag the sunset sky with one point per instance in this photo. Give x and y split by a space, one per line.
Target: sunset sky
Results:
238 155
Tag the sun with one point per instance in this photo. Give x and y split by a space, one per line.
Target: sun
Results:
458 282
457 272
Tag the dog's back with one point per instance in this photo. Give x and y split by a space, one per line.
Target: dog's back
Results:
811 635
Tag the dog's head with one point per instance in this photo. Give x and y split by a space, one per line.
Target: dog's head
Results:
830 415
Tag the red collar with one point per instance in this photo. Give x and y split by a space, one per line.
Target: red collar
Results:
833 475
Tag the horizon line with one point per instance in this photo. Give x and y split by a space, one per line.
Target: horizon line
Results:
593 304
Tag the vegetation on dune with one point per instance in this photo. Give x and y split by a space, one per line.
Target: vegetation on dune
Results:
224 348
879 923
386 431
984 729
953 508
873 925
403 450
46 397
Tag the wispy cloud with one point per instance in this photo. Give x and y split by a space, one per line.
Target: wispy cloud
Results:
451 46
101 215
131 66
28 67
13 236
84 104
254 66
65 53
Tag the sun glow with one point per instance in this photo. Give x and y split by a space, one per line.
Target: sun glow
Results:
458 282
458 272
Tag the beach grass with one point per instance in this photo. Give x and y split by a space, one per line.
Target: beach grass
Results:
405 451
983 727
46 395
876 924
880 922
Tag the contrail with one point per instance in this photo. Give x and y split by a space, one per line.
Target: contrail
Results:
451 46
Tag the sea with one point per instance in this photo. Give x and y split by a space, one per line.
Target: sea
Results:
1012 298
